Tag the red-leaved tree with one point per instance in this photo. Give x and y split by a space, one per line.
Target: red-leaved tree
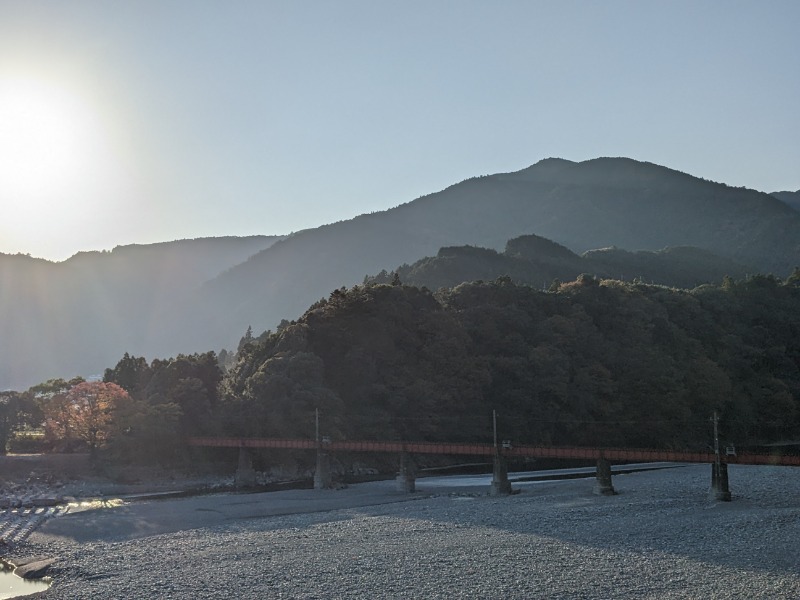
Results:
83 413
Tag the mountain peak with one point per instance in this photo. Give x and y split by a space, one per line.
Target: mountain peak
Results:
545 168
553 161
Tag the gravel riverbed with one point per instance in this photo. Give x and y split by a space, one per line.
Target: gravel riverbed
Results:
660 537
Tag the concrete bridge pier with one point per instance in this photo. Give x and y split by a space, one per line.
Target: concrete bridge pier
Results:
322 474
245 474
719 482
501 486
603 486
406 478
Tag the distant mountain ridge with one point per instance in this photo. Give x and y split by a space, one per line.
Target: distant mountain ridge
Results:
593 204
790 198
76 316
536 261
80 316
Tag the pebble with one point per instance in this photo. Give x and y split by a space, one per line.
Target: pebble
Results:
660 537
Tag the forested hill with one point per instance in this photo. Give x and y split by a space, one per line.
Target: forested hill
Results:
535 261
598 363
80 315
593 204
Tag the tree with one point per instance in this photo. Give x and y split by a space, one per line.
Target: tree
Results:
18 411
83 413
50 400
144 433
248 337
190 381
191 396
51 387
92 404
130 373
224 360
9 417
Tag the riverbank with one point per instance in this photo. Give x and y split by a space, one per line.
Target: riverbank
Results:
660 537
74 476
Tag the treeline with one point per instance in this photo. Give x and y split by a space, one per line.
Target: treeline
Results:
536 261
590 362
141 412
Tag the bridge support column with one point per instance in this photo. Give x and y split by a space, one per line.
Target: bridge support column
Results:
719 482
245 475
603 486
322 474
501 486
406 480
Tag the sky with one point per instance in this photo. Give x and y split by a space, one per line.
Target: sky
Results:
156 120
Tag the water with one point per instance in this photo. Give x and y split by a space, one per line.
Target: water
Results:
526 478
12 586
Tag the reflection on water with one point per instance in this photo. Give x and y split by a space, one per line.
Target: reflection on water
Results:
93 504
12 586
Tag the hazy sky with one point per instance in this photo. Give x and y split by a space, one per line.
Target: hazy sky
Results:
146 121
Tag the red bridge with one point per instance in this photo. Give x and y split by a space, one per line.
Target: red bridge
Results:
500 454
615 454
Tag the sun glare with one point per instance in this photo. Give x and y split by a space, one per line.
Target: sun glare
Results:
63 165
49 138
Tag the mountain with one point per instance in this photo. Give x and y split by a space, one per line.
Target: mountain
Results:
790 198
536 261
80 315
587 205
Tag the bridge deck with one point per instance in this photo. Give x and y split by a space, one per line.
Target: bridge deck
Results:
616 454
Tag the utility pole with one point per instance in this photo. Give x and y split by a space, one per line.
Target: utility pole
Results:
494 427
322 475
719 473
500 483
716 434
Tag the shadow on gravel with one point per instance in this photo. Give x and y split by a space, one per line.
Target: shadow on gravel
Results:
667 512
655 513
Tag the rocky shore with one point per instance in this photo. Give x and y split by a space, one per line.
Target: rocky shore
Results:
660 537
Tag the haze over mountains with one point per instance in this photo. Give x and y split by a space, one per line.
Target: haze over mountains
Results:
70 318
80 316
790 198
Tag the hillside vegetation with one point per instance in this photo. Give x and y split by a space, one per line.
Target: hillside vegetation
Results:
594 362
535 261
583 206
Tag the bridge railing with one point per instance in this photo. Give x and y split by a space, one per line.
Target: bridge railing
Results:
478 449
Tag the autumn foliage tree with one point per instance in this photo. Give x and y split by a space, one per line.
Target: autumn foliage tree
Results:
83 414
52 399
